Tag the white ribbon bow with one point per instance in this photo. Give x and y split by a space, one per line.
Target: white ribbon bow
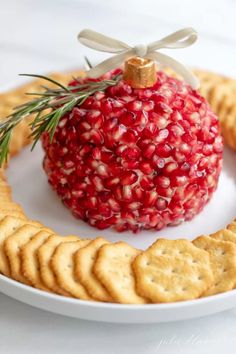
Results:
102 43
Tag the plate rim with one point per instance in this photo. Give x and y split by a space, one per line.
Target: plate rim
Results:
74 301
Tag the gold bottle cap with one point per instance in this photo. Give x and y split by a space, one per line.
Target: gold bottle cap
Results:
140 72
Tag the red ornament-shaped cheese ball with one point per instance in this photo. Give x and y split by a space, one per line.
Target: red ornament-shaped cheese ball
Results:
136 159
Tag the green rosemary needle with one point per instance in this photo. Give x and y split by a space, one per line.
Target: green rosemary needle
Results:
58 100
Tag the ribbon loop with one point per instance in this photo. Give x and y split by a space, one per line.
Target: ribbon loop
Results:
101 42
180 39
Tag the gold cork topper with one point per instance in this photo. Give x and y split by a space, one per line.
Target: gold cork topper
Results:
140 72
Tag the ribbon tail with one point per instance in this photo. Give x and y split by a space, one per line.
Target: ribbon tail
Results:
109 64
176 66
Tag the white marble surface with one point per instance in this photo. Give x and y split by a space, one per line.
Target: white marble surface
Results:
40 36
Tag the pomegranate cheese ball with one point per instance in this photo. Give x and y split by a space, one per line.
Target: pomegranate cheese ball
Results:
136 159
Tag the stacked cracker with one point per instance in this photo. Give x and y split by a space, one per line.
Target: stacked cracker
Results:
169 270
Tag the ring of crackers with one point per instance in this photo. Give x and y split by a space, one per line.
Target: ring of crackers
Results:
97 270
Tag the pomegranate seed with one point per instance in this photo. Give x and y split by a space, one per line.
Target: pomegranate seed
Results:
148 106
146 167
110 124
207 149
134 206
102 170
114 205
149 150
130 153
127 118
127 193
179 181
165 192
112 181
104 196
160 121
91 203
146 183
161 204
85 149
106 106
128 178
218 146
130 165
77 194
175 129
137 193
162 135
162 181
141 119
118 131
150 198
170 167
134 106
104 224
157 162
130 137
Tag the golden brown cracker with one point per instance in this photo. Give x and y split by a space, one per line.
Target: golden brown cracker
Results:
232 226
113 268
85 259
6 205
30 264
62 263
224 235
5 197
13 213
5 188
172 270
223 263
12 247
8 225
45 253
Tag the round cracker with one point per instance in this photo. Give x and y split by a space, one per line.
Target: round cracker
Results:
172 270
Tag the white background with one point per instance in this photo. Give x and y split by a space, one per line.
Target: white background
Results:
40 36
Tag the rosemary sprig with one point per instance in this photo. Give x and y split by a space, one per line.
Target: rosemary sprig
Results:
59 101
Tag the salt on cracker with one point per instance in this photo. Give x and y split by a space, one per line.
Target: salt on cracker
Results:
29 259
113 269
223 263
85 259
8 225
172 270
12 247
63 267
45 253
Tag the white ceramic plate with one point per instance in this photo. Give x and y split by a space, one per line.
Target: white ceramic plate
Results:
31 190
